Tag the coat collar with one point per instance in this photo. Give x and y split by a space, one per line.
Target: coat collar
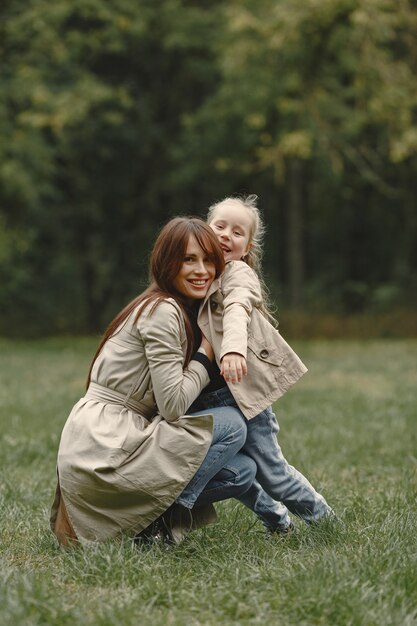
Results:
215 285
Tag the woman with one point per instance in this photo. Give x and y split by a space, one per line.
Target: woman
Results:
128 450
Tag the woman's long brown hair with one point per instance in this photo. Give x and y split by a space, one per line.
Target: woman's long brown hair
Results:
165 263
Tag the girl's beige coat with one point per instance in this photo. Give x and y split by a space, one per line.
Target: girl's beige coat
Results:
119 464
231 320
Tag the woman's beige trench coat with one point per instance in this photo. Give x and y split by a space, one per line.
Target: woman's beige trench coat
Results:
121 465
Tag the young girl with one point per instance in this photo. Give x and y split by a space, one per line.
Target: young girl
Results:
254 360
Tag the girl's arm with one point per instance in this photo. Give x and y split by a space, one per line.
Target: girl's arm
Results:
241 293
174 388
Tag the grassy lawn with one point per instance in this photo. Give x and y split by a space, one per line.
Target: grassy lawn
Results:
349 425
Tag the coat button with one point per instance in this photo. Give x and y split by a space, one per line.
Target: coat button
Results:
213 305
264 354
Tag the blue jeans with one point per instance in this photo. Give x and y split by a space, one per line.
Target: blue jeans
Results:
233 480
277 478
224 473
244 487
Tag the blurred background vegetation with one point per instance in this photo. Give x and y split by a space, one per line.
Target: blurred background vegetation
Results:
116 115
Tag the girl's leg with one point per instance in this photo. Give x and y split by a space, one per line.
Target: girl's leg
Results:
237 480
274 515
229 434
279 479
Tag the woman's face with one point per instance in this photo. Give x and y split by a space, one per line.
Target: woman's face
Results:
196 274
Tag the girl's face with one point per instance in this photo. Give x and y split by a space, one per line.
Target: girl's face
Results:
232 223
196 274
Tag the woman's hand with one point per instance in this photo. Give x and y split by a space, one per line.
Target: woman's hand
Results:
206 345
233 367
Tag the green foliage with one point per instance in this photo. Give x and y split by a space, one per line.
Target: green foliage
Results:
349 425
116 115
331 79
333 86
88 125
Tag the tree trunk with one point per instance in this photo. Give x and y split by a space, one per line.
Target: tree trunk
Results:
295 248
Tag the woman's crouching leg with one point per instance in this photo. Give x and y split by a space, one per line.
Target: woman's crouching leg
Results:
229 434
233 480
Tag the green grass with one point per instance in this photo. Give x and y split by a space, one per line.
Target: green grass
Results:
349 425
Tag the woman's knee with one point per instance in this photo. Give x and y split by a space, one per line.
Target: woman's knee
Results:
229 424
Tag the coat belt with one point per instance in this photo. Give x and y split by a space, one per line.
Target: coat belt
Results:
104 394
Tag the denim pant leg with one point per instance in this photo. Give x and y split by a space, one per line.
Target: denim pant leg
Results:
273 515
229 433
279 479
233 480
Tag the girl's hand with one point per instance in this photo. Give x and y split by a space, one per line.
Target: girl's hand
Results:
233 367
206 345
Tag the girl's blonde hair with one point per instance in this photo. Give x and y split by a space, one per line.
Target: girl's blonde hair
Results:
254 256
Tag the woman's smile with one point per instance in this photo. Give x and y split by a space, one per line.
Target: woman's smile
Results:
196 273
199 284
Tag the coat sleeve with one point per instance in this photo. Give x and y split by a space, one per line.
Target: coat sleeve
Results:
241 291
174 387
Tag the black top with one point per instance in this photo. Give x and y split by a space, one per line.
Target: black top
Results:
216 379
